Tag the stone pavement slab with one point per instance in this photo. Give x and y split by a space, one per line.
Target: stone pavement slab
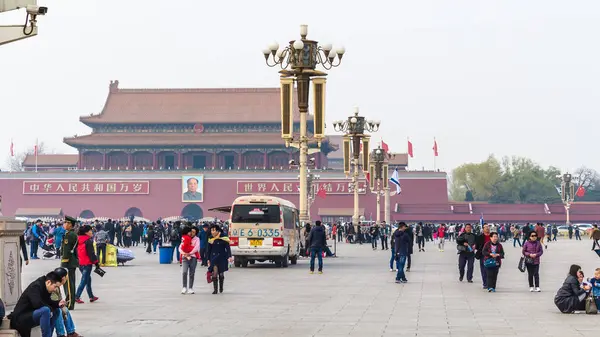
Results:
356 296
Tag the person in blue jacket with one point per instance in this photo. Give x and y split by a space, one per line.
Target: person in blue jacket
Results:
203 236
38 236
59 234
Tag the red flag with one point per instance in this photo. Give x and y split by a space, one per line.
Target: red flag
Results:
35 149
410 149
12 148
580 192
322 193
385 147
368 177
435 148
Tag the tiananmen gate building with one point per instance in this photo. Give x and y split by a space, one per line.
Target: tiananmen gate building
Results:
179 152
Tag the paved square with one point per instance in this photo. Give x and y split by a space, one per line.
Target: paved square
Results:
356 296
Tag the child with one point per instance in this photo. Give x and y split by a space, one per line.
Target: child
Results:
186 245
595 283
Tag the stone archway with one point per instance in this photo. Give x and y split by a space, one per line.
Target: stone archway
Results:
133 211
192 212
87 214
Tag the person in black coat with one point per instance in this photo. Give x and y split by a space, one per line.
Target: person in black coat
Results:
571 296
35 306
401 247
23 250
411 235
218 254
317 241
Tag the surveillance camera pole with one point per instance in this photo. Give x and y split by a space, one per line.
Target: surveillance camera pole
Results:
12 33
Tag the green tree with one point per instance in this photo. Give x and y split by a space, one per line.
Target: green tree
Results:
479 179
513 180
524 181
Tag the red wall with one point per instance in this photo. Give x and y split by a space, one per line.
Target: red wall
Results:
165 196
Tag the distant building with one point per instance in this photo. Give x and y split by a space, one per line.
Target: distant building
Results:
182 152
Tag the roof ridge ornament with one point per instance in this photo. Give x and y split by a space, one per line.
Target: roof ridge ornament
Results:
114 86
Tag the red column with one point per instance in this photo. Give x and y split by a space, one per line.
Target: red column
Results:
214 160
240 161
180 160
130 161
80 161
104 161
154 161
266 159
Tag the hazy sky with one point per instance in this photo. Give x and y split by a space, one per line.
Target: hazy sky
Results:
503 77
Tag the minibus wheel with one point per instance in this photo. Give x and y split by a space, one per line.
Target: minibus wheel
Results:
284 261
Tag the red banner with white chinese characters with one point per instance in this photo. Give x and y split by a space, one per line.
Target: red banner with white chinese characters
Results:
89 187
293 187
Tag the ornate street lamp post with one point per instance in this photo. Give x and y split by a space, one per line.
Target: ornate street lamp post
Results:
355 128
312 188
378 170
567 193
298 62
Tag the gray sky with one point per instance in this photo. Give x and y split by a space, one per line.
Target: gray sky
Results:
503 77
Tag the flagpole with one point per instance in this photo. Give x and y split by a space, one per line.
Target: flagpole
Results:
434 154
36 155
407 153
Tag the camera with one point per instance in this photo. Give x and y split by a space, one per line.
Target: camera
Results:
37 10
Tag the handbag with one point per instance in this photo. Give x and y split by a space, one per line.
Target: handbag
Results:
209 277
521 265
490 262
590 305
529 260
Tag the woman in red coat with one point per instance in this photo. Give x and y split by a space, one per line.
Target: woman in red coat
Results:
87 259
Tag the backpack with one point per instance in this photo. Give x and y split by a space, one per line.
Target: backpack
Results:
28 234
174 235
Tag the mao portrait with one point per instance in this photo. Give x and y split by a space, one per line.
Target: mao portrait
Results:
192 188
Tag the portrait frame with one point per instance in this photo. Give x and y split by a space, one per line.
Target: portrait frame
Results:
187 195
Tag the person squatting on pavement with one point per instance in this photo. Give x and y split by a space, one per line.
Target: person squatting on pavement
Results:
35 307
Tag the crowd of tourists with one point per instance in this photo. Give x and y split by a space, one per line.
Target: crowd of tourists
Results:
482 242
207 244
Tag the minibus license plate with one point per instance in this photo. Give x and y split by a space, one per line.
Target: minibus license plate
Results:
256 242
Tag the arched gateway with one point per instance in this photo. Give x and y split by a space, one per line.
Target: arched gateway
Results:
86 214
192 212
133 211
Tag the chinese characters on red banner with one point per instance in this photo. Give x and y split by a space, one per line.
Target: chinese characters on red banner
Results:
90 187
293 187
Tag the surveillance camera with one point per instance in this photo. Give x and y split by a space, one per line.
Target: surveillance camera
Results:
312 160
292 162
37 10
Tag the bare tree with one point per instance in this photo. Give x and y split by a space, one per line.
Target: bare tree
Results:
15 163
586 177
